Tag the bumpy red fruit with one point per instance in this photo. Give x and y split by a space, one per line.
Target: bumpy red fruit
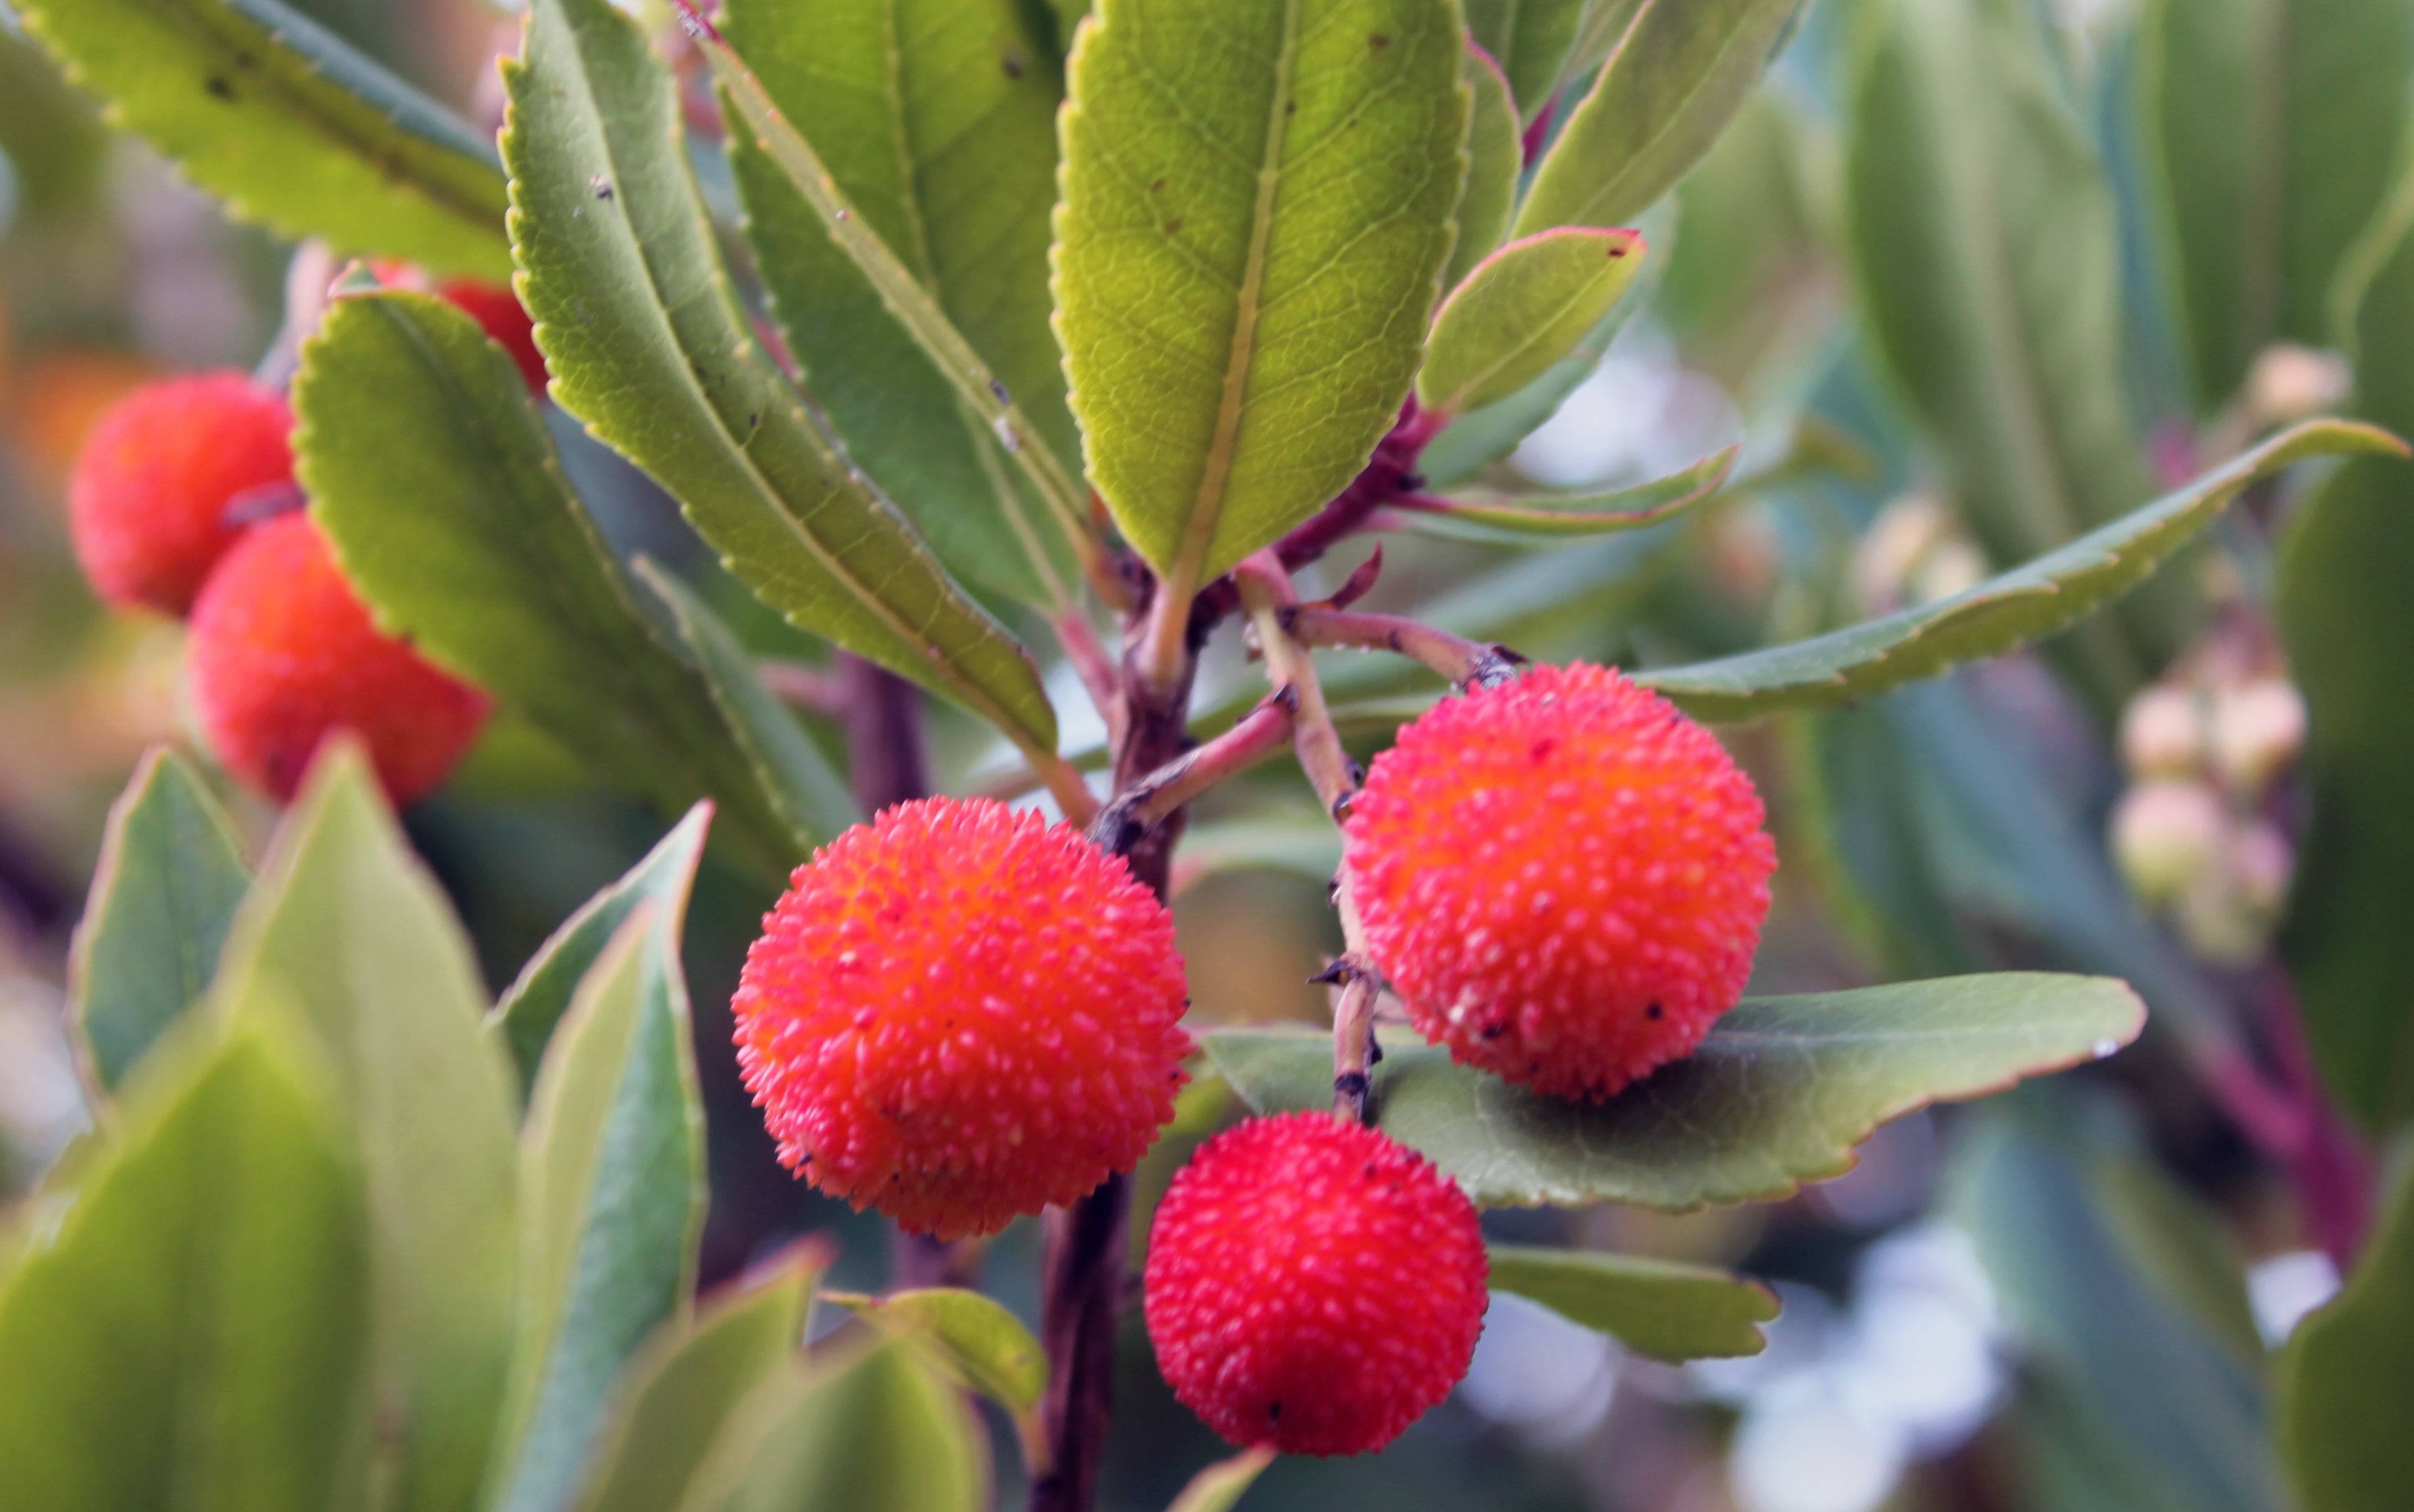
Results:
958 1013
1564 878
498 311
148 498
1313 1286
282 653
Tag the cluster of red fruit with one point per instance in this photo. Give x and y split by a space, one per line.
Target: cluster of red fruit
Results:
958 1013
184 500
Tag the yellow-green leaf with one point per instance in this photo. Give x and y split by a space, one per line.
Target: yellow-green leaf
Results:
1665 1308
1495 161
1530 519
1257 208
1530 40
1521 311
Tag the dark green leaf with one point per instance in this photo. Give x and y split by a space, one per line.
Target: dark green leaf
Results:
683 1388
1247 253
611 1202
345 928
162 895
1526 519
2275 127
1520 312
1677 77
2343 1377
648 345
1662 1308
441 494
1529 39
2048 594
946 150
288 124
1778 1095
191 1330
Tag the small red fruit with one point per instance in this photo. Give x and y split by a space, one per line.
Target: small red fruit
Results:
959 1012
1313 1286
1563 877
148 498
283 653
499 312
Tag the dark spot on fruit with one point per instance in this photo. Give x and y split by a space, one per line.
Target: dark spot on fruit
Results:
1654 1011
1273 1412
1493 1031
1543 749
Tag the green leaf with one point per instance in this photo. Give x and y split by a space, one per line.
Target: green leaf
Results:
1256 212
2273 126
1983 235
345 928
1525 519
1220 1487
164 890
1530 40
1496 160
1520 312
1678 76
1662 1308
612 1200
688 1382
647 344
1778 1095
191 1328
2048 594
527 1013
2343 1377
973 1338
809 789
881 1432
1598 35
289 125
946 150
436 483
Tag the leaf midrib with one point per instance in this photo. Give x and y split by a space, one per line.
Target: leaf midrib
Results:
1207 504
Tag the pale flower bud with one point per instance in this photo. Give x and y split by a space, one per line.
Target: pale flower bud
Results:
2162 733
2289 382
2166 835
1897 541
2261 866
2258 731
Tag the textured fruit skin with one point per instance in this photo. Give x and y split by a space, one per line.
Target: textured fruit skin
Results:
958 1013
498 313
147 499
1313 1286
1563 877
282 653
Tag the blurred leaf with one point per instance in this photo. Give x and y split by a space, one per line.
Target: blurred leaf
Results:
191 1330
878 1434
288 124
1302 843
973 1338
1527 520
1603 28
1678 76
2342 1385
2274 126
346 927
613 1193
1983 235
936 120
2185 1416
2047 595
165 888
529 1009
1220 1487
1778 1094
442 496
647 344
1246 255
52 136
2181 1246
1529 39
810 788
1496 159
1520 312
680 1392
1660 1308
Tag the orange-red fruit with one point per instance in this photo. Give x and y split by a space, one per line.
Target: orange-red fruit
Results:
499 312
147 501
959 1012
1564 878
1313 1286
283 653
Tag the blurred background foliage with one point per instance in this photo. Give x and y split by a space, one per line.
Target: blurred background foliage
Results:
2065 1299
